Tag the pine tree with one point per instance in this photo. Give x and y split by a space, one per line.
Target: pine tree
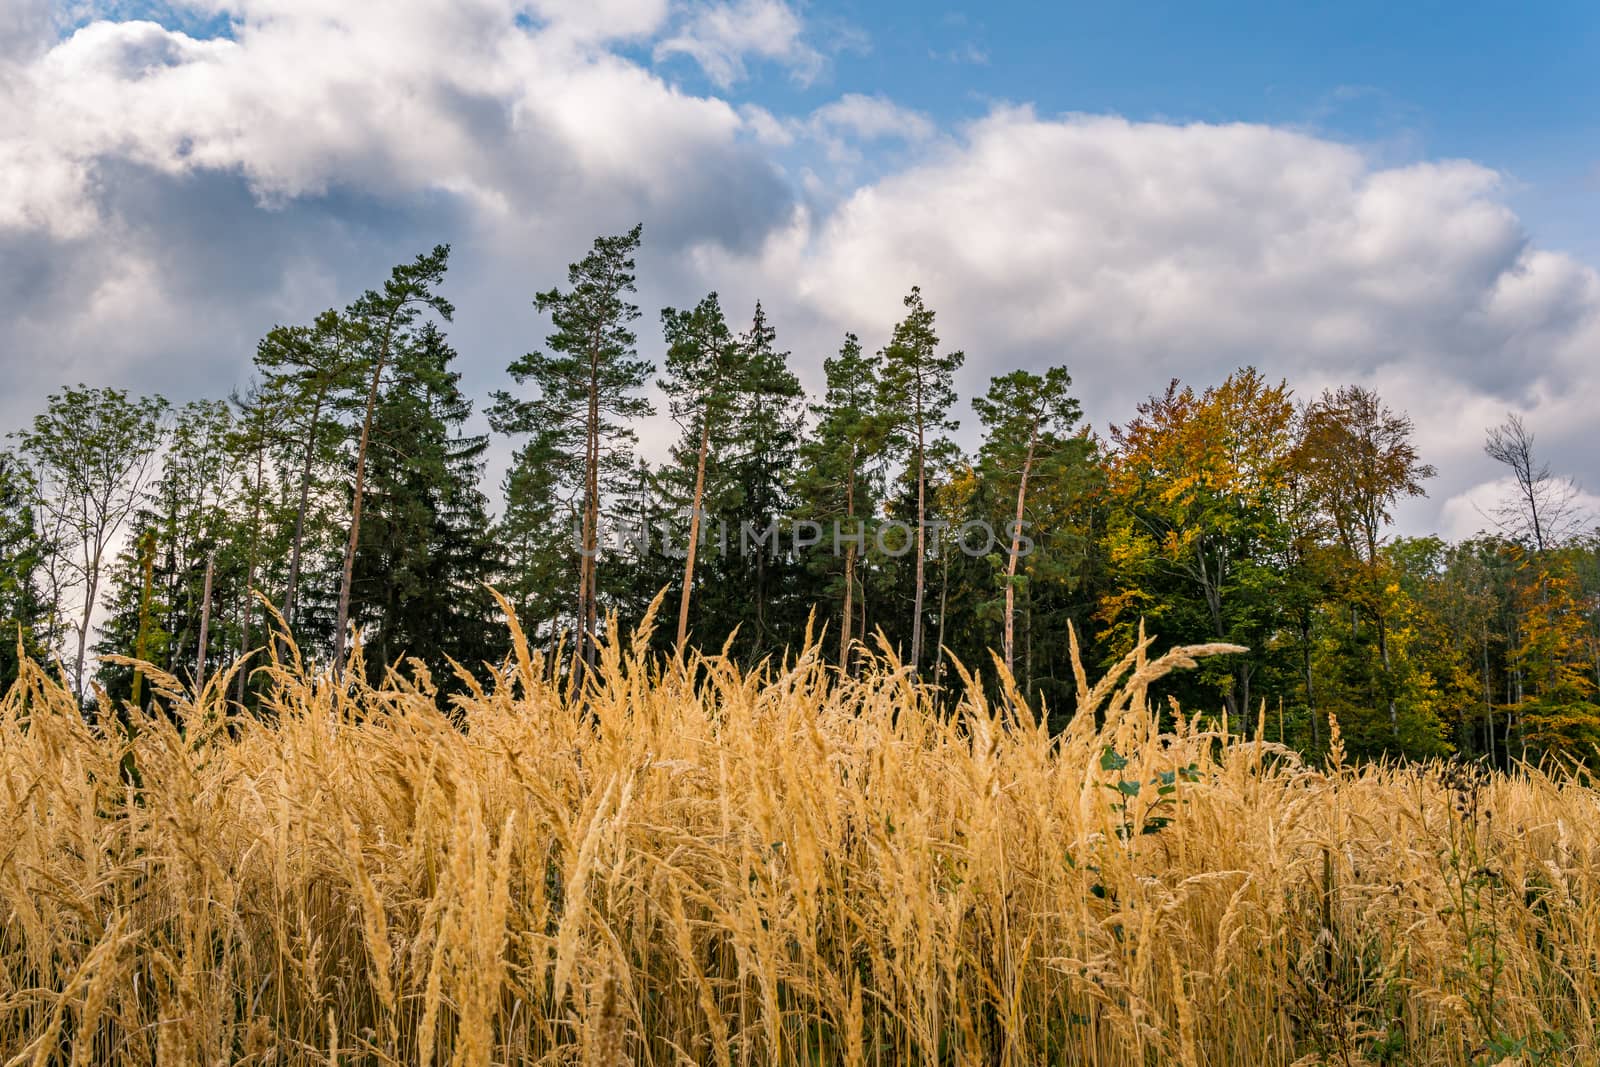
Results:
1029 422
704 368
383 320
587 394
916 391
836 485
305 370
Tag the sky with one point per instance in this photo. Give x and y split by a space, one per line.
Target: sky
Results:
1402 196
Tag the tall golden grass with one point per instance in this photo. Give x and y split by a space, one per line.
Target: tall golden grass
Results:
693 864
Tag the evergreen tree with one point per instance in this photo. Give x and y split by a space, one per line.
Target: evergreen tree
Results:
305 371
587 387
24 616
836 486
1029 423
383 321
426 550
704 370
916 390
762 450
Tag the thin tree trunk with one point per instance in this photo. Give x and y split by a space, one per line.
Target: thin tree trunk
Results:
1016 549
147 567
1311 702
922 483
250 571
849 569
205 624
944 600
91 590
587 585
343 618
694 528
293 583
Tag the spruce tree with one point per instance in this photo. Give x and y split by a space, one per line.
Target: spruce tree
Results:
426 550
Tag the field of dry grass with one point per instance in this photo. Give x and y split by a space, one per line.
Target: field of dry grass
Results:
703 866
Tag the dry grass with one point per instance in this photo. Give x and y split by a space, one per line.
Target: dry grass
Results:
710 867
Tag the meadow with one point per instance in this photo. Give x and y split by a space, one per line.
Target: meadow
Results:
690 863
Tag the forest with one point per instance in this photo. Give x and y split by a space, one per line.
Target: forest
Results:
336 504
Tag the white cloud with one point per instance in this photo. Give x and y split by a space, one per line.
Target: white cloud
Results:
719 37
1136 252
871 118
164 199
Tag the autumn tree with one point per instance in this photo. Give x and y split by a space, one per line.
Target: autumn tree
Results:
1195 483
1357 457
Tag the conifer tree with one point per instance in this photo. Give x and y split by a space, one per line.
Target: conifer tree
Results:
703 368
23 612
836 483
1029 421
383 321
916 390
587 394
305 370
426 551
763 449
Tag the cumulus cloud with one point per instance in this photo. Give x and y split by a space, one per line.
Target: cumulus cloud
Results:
166 196
1137 252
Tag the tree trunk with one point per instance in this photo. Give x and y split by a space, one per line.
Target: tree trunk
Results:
944 601
694 528
1311 702
849 569
205 625
91 590
587 584
292 586
922 511
343 618
250 571
1016 548
147 566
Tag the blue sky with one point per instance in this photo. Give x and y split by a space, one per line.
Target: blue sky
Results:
1510 85
1402 196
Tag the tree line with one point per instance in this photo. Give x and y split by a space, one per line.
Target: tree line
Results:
336 502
